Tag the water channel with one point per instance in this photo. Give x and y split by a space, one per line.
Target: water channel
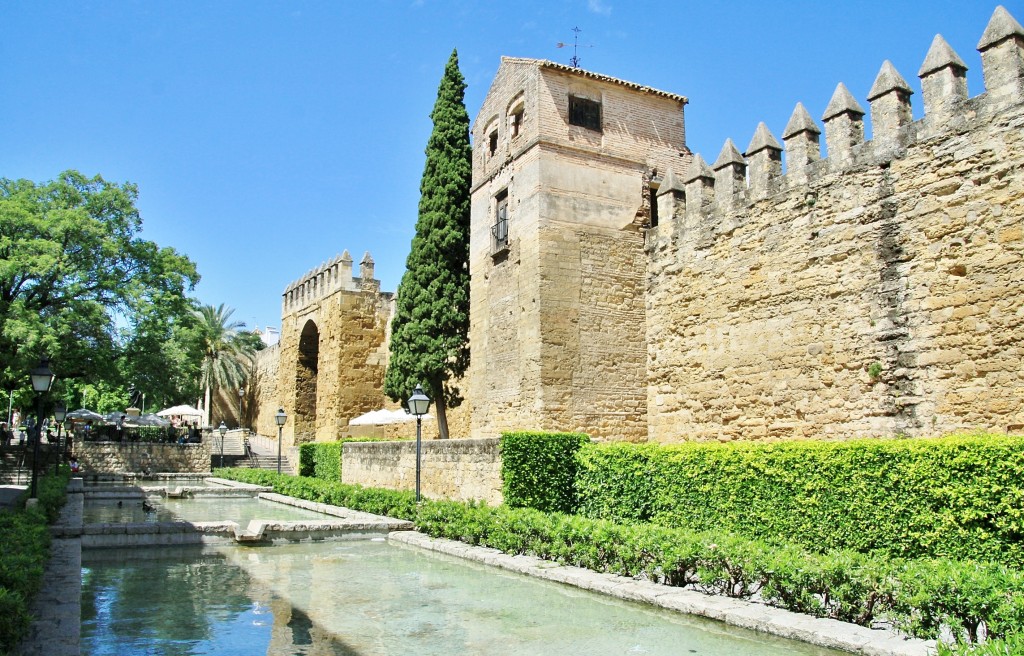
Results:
359 597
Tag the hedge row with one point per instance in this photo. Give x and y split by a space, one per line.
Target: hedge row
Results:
538 470
323 459
919 596
958 497
24 550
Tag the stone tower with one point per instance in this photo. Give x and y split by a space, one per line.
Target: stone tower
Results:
333 350
566 165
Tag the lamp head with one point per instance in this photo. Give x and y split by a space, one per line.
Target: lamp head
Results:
419 402
59 411
280 417
41 376
223 428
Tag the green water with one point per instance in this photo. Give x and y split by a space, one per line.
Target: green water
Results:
370 598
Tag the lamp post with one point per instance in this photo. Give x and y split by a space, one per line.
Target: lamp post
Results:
222 429
42 379
59 412
280 418
419 403
241 393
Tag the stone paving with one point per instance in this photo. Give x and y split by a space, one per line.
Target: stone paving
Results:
57 607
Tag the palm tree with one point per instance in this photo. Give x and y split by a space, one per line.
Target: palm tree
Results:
225 358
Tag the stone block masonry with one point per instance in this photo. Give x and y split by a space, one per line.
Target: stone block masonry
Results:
332 354
878 291
449 469
556 249
120 457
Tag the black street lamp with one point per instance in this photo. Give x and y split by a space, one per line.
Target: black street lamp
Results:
280 418
222 429
241 393
42 379
418 404
59 412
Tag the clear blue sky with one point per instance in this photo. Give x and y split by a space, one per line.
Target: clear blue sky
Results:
267 137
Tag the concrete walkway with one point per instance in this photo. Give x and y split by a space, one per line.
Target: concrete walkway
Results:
57 607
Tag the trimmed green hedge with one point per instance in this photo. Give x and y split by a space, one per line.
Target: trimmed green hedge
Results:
323 459
24 550
538 470
957 497
919 596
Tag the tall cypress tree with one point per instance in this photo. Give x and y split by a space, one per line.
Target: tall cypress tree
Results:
430 330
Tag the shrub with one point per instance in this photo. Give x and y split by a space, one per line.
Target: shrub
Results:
25 549
956 497
843 585
538 470
964 596
1011 645
320 460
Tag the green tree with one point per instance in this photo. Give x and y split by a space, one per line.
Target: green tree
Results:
72 270
226 358
430 330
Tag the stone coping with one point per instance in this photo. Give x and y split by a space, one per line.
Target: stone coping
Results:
823 632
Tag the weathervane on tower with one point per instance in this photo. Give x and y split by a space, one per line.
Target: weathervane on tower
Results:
575 61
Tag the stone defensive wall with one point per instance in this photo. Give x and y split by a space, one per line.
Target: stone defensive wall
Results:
874 291
450 469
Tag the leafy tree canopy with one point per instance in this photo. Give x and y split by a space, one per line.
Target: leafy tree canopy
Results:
78 284
430 330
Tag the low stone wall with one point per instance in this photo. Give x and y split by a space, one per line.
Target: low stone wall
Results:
116 457
450 469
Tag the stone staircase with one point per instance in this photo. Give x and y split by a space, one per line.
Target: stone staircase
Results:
12 470
268 462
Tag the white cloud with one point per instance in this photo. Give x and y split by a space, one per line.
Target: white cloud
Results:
599 7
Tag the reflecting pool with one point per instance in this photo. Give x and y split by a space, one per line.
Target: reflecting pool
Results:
370 598
158 509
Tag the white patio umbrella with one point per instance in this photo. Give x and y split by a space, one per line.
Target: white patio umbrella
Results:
382 417
180 411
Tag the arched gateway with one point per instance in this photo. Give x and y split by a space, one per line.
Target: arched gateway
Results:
332 353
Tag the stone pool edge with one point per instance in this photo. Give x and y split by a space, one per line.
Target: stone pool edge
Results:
822 632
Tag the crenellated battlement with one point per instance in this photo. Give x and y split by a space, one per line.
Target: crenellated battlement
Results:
874 291
737 179
328 278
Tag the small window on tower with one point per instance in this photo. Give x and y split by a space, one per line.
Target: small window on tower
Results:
585 113
499 231
492 143
653 199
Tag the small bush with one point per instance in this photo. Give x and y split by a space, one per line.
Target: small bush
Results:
538 470
1011 645
964 596
24 550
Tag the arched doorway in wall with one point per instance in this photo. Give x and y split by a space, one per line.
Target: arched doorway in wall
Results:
305 384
